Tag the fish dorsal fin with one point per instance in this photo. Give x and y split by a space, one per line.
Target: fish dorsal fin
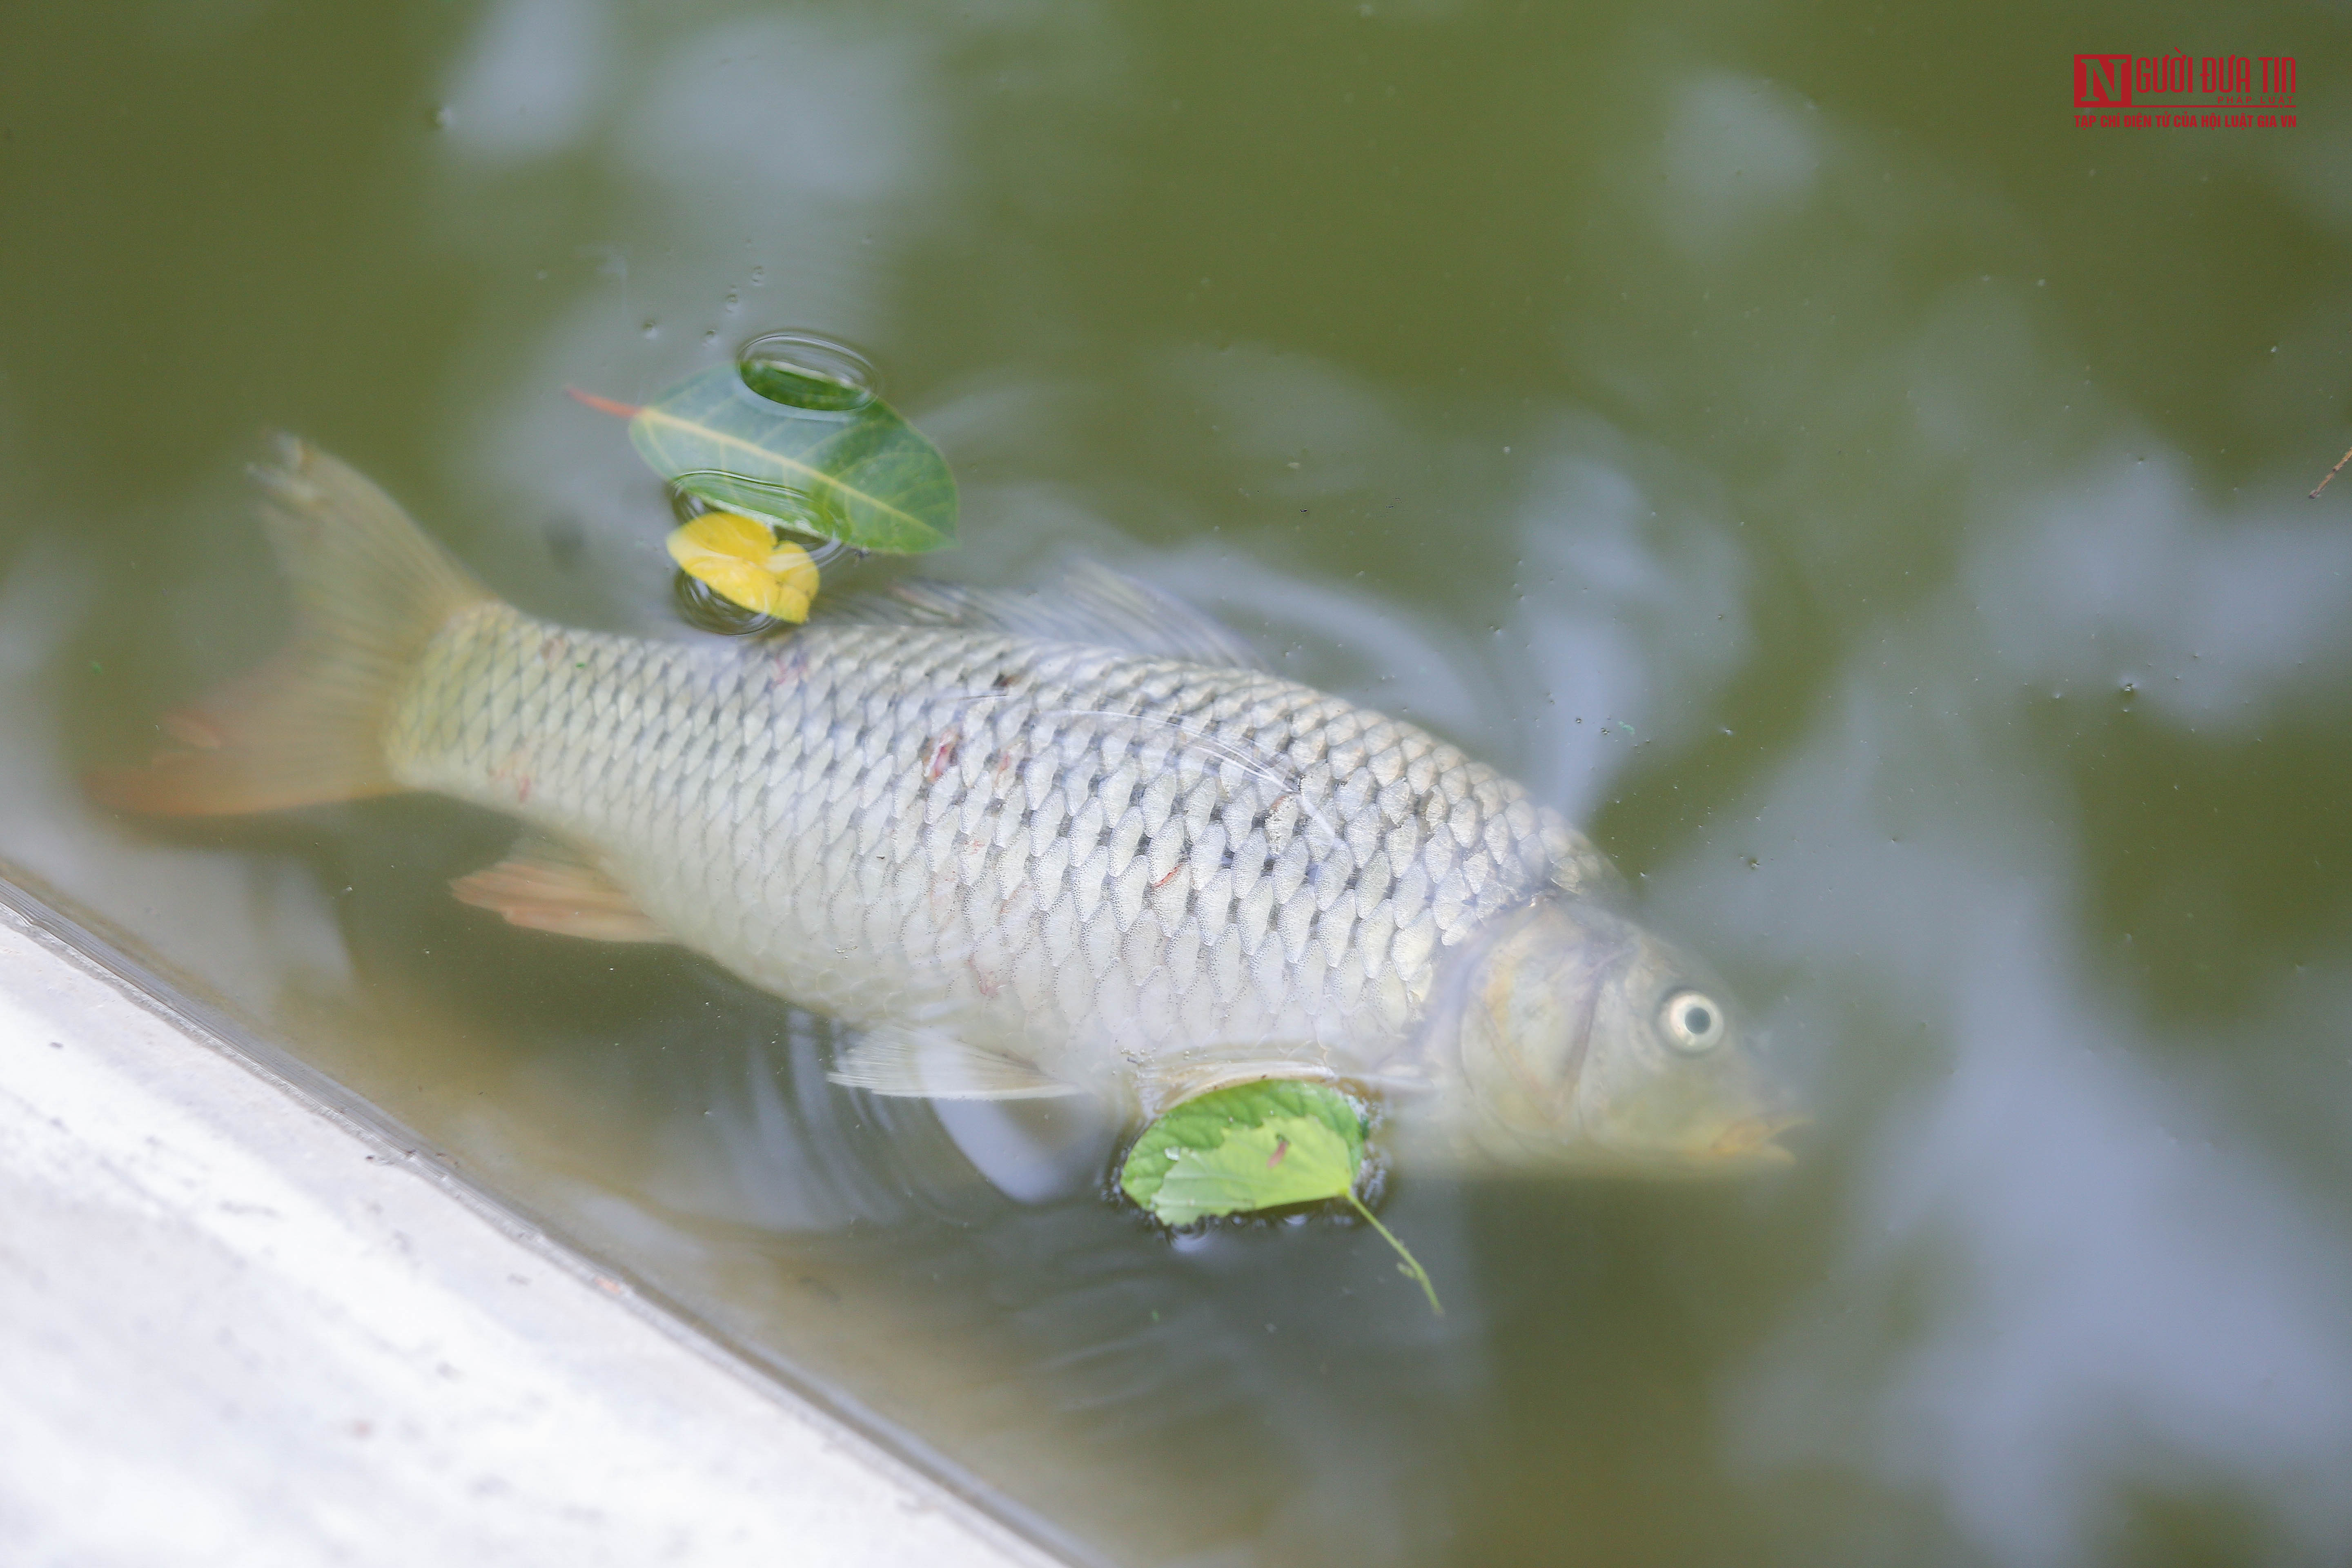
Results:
928 1063
544 884
1091 605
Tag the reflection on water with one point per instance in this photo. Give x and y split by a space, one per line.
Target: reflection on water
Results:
2122 581
2072 1277
1795 492
253 927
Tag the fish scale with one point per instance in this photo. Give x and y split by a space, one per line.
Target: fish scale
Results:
1098 862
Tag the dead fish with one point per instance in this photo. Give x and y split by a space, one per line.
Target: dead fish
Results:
1070 843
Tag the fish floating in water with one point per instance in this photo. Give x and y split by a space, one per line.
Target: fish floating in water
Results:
1075 843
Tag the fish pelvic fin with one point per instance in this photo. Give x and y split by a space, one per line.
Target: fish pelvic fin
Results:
306 726
926 1064
544 884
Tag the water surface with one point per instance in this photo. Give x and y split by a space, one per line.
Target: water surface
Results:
1871 506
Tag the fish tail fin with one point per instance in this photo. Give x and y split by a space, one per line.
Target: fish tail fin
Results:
306 726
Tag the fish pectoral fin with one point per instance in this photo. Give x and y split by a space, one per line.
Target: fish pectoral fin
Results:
546 885
1173 1085
928 1063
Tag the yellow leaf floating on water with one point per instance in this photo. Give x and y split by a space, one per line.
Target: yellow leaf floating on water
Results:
742 560
724 533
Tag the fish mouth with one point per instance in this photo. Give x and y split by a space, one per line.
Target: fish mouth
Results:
1755 1140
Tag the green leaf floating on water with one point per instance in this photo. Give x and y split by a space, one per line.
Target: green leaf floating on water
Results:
1254 1146
801 451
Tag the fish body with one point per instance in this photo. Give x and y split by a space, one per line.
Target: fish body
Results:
1127 871
1051 846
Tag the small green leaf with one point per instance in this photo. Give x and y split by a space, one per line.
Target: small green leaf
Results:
801 452
1256 1146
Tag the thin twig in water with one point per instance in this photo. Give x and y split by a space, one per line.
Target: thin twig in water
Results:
603 405
1410 1267
2338 468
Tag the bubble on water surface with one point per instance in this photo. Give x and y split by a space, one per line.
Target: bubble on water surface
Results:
706 609
780 504
803 370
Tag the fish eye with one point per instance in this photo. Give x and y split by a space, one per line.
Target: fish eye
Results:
1693 1021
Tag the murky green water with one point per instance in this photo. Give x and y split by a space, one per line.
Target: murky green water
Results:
1873 506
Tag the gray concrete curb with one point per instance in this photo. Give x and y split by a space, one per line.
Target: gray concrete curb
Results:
238 1327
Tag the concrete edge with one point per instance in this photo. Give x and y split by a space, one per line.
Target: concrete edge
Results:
244 1118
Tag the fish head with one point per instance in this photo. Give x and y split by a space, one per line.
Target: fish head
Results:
1583 1039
